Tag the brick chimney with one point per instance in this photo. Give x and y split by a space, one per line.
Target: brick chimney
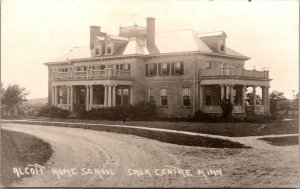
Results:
151 36
94 32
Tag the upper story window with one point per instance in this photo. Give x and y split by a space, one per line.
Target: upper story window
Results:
126 67
207 65
63 70
109 47
81 69
151 69
177 68
165 69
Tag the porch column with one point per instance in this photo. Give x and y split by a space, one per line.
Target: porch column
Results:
109 96
113 95
243 98
74 96
71 100
231 94
268 99
56 94
105 95
254 99
227 91
200 96
87 98
53 95
222 92
131 95
68 97
91 97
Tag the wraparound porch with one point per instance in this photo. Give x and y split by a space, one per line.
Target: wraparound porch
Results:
78 97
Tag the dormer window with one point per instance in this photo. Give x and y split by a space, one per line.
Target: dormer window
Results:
109 47
97 47
222 45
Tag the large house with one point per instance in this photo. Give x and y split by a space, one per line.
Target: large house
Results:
181 71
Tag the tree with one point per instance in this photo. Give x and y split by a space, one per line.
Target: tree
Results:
249 99
279 103
12 97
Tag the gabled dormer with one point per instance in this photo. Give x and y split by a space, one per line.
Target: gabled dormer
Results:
216 41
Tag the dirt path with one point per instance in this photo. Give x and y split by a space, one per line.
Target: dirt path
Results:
78 148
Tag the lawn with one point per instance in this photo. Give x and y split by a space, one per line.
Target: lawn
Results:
282 141
18 150
225 129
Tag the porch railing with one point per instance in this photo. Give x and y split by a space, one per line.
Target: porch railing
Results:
93 74
234 72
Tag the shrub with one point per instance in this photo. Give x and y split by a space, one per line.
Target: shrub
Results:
53 112
200 116
142 111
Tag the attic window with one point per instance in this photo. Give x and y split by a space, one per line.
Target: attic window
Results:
109 47
97 47
97 51
222 45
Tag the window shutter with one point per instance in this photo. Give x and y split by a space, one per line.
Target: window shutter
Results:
155 69
168 68
129 66
181 68
172 68
147 69
159 69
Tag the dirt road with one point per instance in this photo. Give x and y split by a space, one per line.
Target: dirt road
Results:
80 150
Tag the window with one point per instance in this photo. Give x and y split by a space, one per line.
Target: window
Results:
151 95
122 97
102 67
151 69
163 97
97 51
97 47
186 96
164 69
63 70
207 65
109 47
222 45
177 68
81 69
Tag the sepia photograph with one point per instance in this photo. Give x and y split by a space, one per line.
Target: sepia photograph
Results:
152 94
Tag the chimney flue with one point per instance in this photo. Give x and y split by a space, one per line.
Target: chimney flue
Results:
94 32
151 35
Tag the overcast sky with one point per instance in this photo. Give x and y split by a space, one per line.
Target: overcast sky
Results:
36 31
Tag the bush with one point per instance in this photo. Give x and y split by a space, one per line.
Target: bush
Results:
200 116
142 111
261 118
53 112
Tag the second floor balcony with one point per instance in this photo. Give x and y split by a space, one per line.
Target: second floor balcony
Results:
231 72
107 73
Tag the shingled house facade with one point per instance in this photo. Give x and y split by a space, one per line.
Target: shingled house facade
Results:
181 71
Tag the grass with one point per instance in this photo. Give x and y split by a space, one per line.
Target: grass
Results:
18 150
224 129
282 141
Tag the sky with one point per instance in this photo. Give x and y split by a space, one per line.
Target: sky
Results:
36 31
